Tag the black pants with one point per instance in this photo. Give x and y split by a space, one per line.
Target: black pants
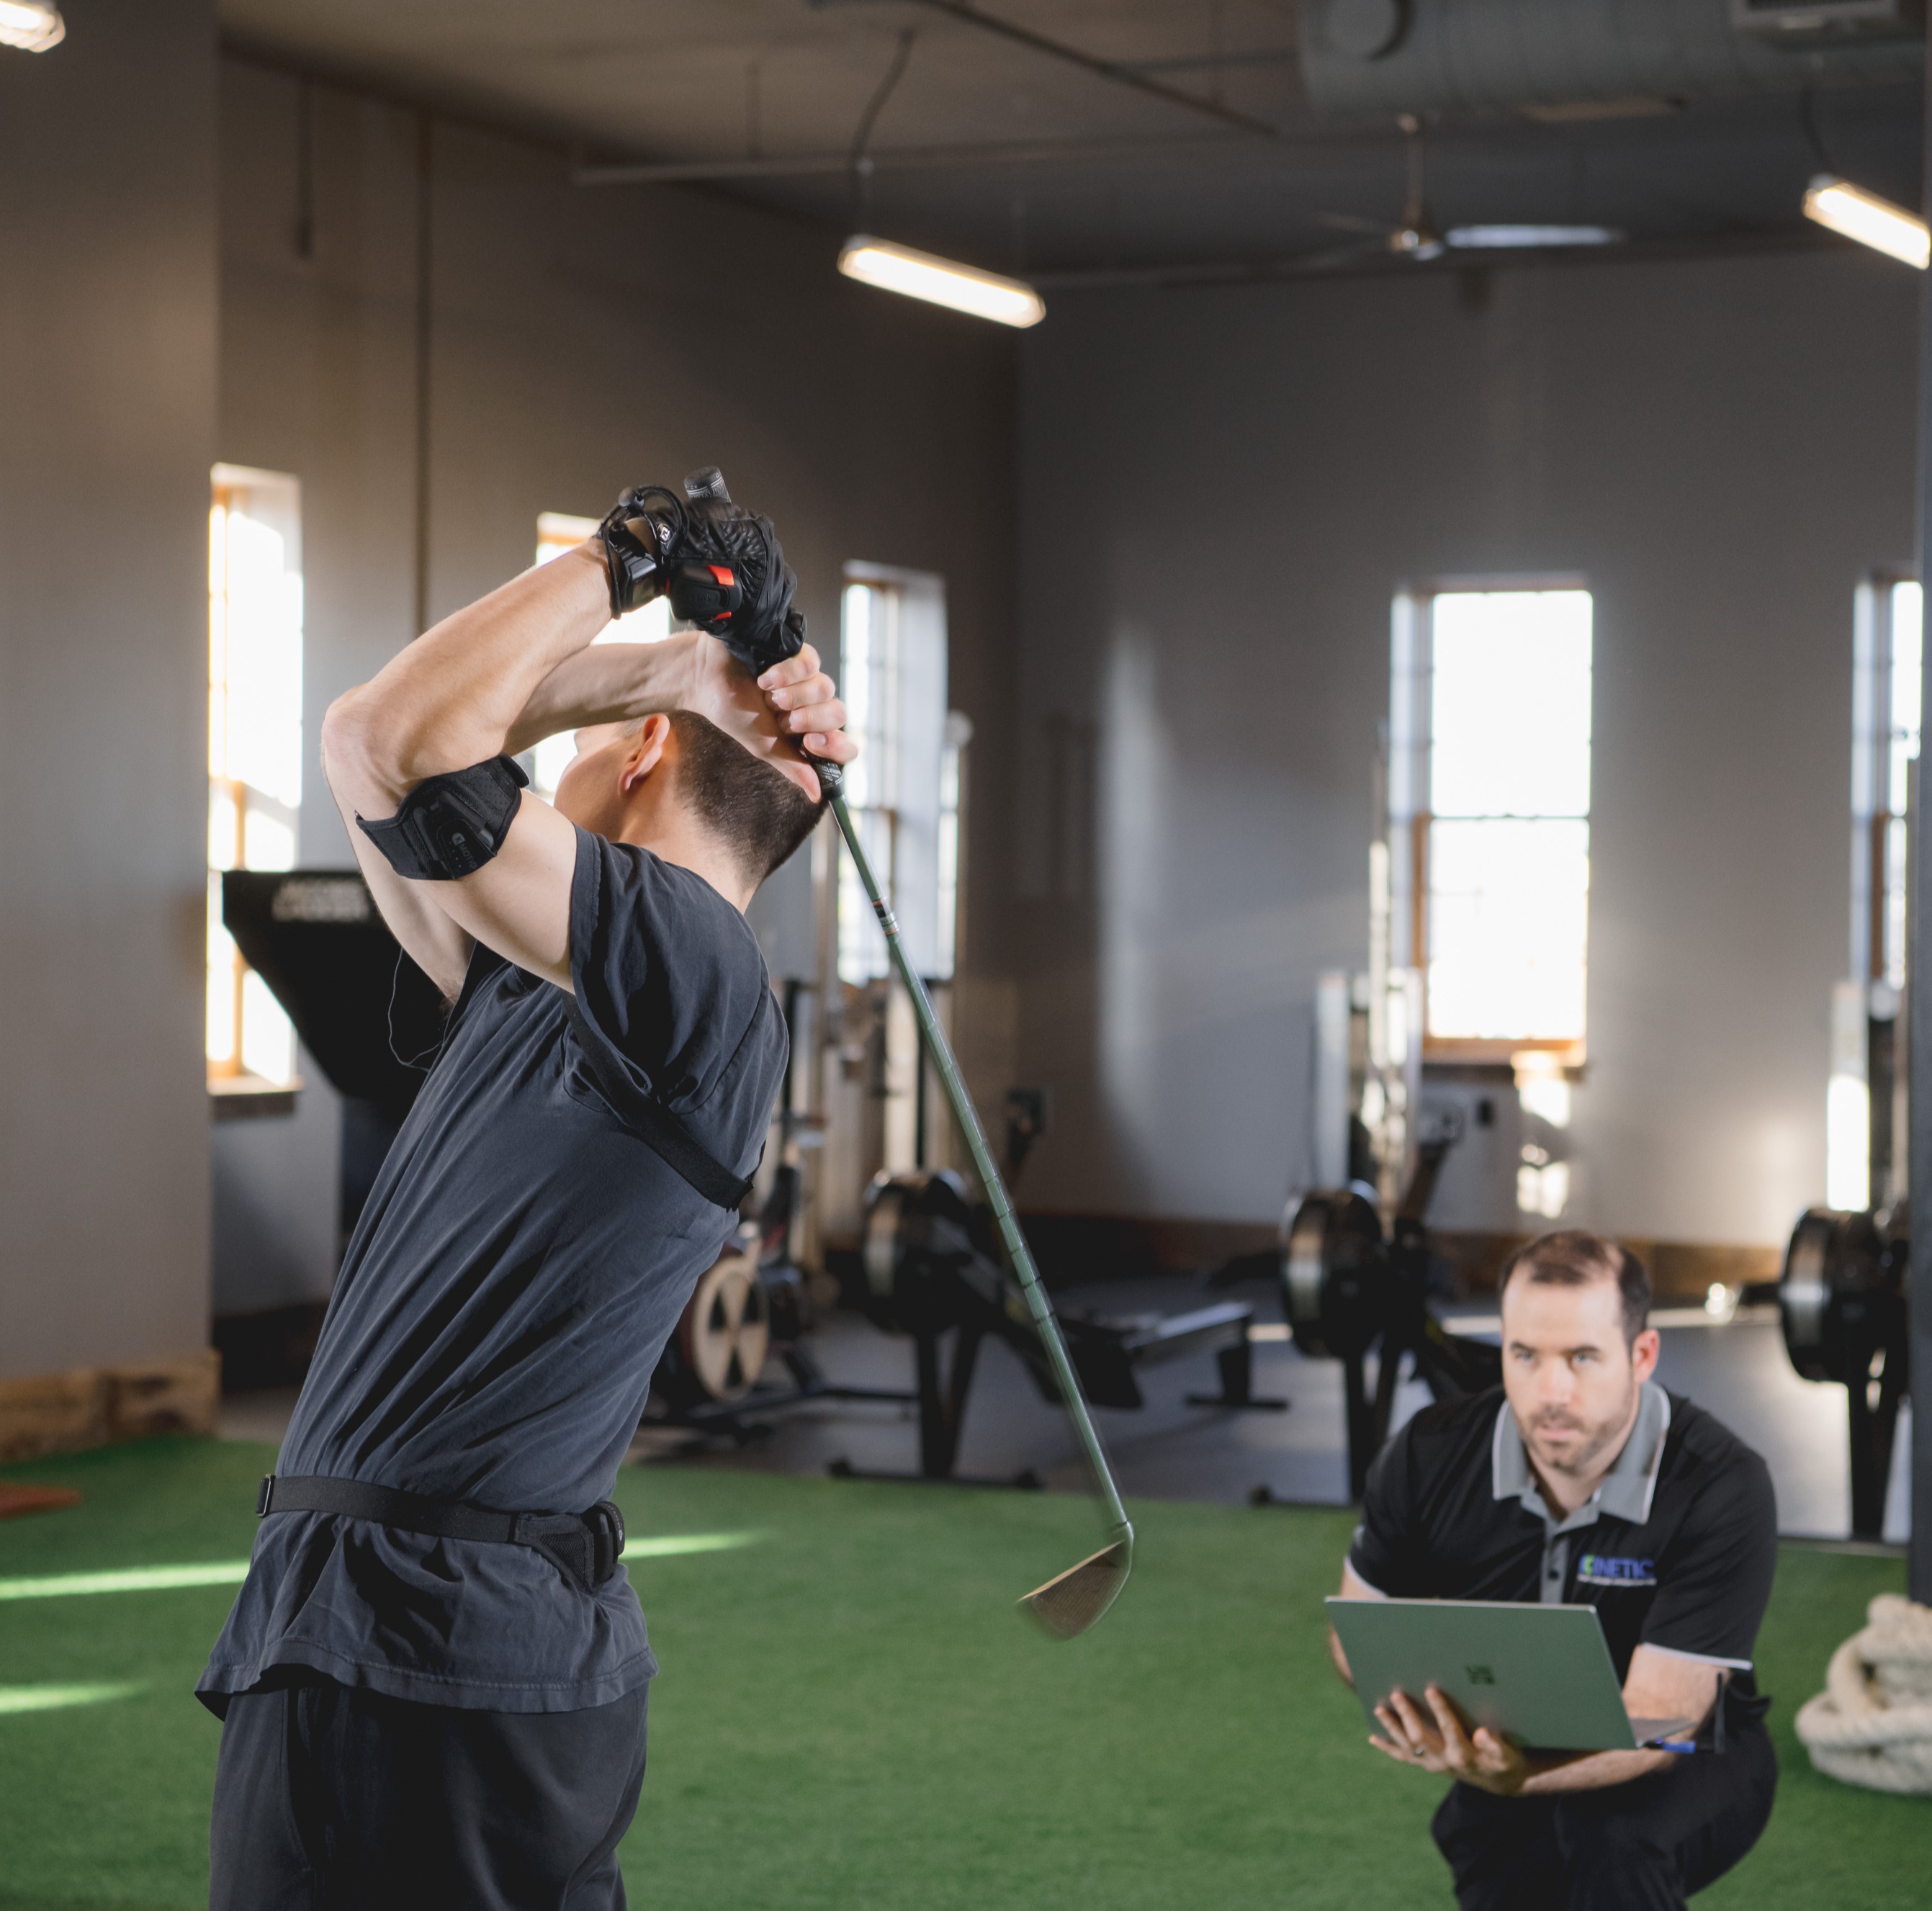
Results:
329 1798
1643 1847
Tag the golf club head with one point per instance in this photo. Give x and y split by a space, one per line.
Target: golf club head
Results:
1071 1601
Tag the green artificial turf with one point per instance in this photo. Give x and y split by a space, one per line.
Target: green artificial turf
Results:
850 1714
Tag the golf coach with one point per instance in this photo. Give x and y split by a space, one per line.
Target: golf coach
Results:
1582 1481
433 1681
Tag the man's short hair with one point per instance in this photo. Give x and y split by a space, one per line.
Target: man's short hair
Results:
756 811
1571 1258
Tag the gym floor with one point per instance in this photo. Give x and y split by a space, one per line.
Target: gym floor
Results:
849 1703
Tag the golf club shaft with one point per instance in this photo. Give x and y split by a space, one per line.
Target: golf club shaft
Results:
1018 1256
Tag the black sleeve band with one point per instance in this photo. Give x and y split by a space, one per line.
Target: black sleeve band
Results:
450 825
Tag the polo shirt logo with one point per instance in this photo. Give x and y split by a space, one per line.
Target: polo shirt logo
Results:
1607 1569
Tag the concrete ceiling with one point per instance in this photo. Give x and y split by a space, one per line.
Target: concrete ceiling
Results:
1200 153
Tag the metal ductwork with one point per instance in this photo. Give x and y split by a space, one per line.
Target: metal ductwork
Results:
1562 59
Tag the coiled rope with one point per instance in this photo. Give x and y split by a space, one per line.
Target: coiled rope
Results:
1872 1724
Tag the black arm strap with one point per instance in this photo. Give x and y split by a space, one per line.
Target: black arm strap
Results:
654 1124
448 826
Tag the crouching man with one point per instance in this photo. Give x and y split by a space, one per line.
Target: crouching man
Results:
1582 1482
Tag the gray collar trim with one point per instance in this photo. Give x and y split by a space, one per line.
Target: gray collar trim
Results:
1627 1489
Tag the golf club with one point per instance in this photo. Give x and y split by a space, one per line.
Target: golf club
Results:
1070 1602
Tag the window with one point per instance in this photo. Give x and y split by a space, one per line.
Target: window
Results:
1887 640
869 657
1489 784
557 532
1863 1111
904 792
951 802
254 747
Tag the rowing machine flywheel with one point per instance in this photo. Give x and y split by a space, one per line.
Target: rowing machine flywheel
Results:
1841 1298
1335 1275
719 1348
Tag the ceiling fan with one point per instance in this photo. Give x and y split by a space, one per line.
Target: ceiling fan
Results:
1417 236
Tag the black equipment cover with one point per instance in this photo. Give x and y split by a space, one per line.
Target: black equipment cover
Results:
448 826
583 1546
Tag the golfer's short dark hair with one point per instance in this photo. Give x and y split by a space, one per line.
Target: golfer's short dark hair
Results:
757 812
1570 1257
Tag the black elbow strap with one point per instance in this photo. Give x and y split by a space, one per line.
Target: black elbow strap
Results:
450 825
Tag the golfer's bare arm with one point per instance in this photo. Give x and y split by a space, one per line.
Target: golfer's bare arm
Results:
450 699
499 677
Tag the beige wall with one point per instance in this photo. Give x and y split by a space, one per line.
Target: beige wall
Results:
107 332
1721 446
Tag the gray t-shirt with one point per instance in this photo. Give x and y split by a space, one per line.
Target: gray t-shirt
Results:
522 1260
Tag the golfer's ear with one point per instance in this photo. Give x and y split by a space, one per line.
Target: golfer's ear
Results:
647 751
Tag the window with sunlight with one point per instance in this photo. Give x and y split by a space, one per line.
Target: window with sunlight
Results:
1864 1128
1900 634
869 681
557 532
254 747
1505 840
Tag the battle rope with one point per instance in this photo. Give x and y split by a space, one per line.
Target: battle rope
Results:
1872 1724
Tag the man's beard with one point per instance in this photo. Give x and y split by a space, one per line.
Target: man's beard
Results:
1585 1454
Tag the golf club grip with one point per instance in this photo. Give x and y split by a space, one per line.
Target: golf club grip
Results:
1018 1256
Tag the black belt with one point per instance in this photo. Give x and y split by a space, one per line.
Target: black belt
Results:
583 1546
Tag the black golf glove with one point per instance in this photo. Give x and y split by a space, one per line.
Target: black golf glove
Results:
721 566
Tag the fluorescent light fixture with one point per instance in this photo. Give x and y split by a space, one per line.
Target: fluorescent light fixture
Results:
32 26
1505 238
941 281
1859 214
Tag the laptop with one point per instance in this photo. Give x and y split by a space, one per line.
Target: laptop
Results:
1540 1676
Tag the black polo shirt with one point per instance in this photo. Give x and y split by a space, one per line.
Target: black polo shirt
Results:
1676 1550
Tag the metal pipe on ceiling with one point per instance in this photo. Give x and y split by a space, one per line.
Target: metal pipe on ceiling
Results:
1122 73
1021 152
1478 57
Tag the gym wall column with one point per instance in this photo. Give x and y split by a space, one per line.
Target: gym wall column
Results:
108 328
1919 1178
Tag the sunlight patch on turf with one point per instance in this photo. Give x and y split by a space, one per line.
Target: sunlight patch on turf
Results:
138 1579
232 1572
665 1545
54 1698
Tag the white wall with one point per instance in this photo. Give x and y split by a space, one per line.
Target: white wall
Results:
583 340
1222 491
107 331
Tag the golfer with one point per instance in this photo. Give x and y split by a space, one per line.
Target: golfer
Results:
434 1681
1580 1481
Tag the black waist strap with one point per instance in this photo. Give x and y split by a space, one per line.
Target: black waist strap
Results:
584 1546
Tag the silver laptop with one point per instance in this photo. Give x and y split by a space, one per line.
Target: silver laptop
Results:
1538 1675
